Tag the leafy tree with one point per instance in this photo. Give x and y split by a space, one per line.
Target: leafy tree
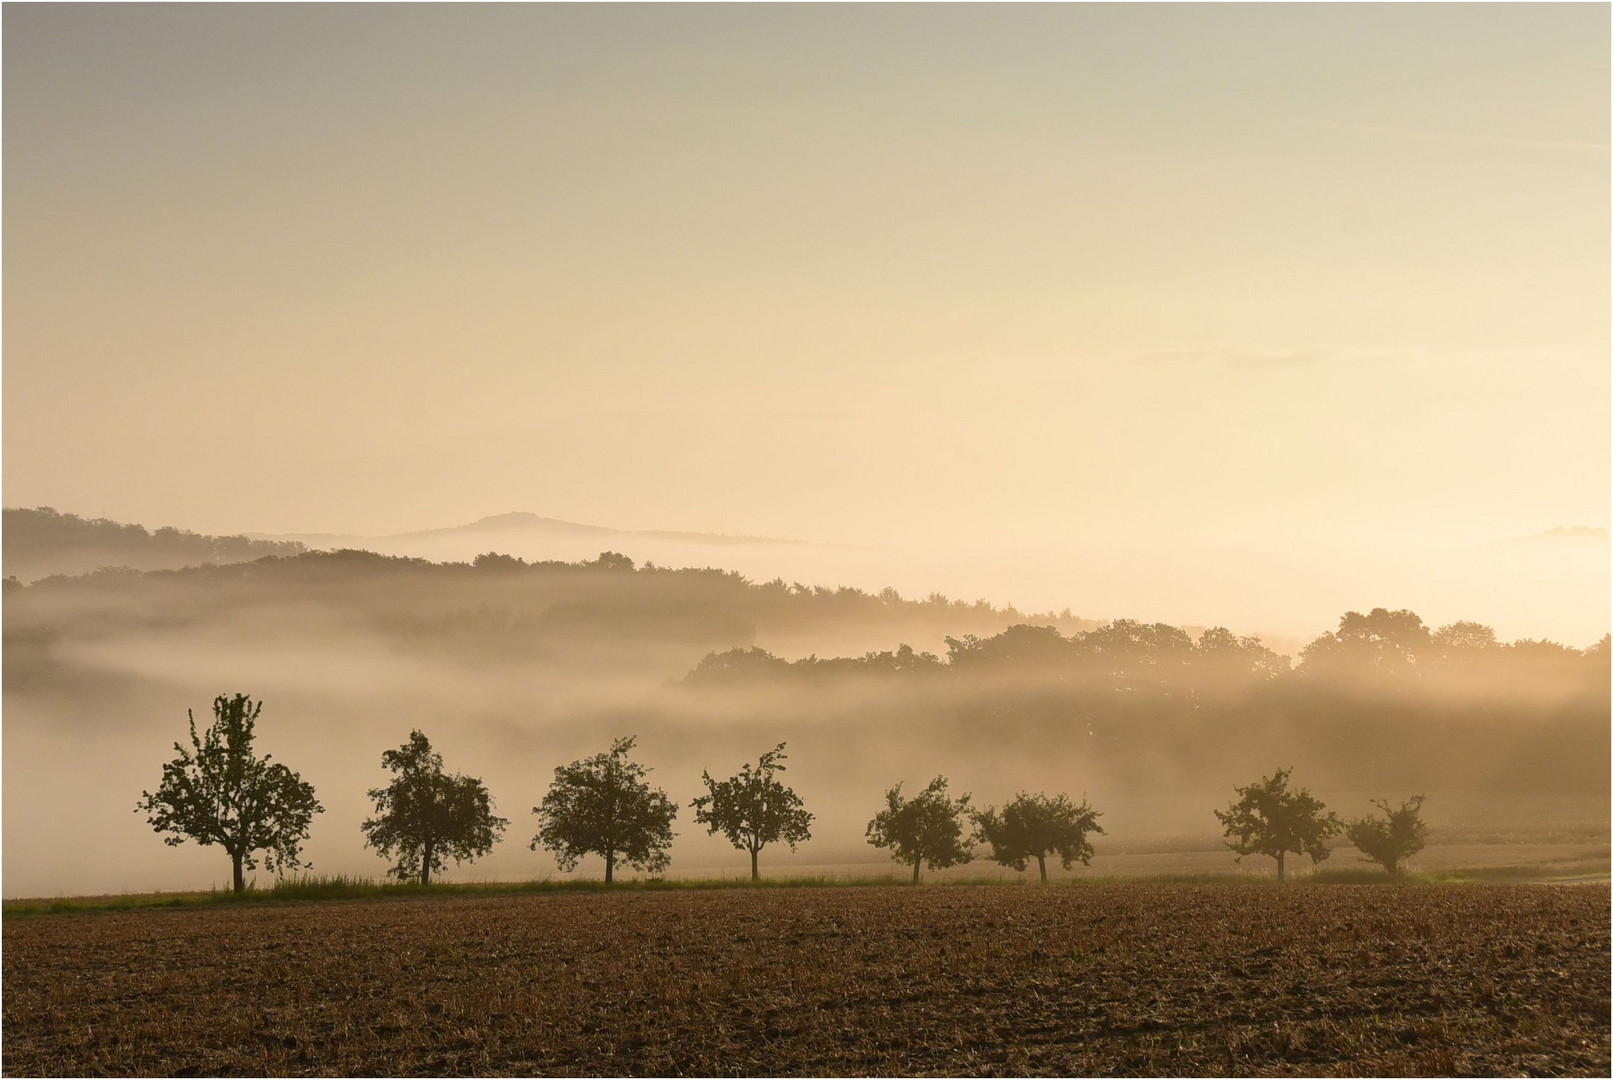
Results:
219 792
424 814
753 809
1018 649
602 806
925 830
1381 642
1396 836
1034 827
1268 819
1225 663
1463 640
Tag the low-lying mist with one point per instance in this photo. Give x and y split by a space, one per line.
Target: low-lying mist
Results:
513 669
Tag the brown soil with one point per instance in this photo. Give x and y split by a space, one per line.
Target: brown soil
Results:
1111 979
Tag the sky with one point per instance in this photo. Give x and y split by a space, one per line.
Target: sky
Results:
1209 301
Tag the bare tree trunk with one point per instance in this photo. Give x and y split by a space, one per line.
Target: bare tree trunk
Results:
1280 855
240 877
916 871
755 874
610 866
1041 861
425 865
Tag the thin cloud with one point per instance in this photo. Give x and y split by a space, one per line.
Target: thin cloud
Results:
1581 534
1456 136
1264 356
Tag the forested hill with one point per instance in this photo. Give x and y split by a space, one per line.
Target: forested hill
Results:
497 608
42 541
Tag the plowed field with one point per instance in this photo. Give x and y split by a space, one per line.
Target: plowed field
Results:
1118 979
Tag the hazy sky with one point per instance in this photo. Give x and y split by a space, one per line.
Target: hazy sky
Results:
1063 275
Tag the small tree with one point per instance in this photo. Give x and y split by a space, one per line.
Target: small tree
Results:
219 792
1389 840
601 805
753 809
425 815
1268 819
926 830
1034 827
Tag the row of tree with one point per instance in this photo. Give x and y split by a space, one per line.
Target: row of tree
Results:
1267 818
218 791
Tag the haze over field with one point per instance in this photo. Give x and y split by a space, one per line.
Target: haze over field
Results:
1198 316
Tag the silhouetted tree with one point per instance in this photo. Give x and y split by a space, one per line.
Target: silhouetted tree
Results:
1034 827
1381 642
1019 649
425 814
1463 641
1393 838
497 563
926 830
602 806
753 809
219 792
1268 819
1224 663
612 560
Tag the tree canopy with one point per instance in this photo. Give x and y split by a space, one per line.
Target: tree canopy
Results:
1391 839
602 806
425 815
927 830
1269 819
1036 826
220 792
752 809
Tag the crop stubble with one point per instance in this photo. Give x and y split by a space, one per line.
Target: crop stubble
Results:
1118 979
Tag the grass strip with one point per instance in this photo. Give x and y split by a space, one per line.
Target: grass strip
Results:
312 888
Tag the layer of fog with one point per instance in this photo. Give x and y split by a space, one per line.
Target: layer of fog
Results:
87 732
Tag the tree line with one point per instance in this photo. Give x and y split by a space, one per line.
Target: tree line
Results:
1372 651
1530 716
219 791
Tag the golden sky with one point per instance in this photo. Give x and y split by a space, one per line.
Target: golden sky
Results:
1187 279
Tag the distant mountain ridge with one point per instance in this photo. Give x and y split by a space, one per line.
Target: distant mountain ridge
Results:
532 525
536 538
40 542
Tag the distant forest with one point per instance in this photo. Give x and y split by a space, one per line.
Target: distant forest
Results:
41 541
1383 700
1383 703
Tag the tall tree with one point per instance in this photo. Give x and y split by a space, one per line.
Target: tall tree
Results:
220 792
926 830
1034 827
1393 838
426 815
602 806
1380 643
1268 819
752 809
